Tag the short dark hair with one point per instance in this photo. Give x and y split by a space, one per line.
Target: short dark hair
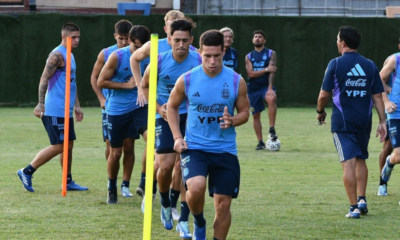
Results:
182 25
140 33
259 32
212 38
123 27
70 27
350 36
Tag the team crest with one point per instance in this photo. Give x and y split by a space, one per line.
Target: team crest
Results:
225 92
264 57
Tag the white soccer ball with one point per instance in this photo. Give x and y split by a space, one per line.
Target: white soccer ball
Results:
273 145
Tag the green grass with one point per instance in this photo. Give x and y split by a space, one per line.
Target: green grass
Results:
296 193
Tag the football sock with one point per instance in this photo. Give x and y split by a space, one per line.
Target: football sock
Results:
185 211
381 182
125 184
352 207
390 165
361 198
214 238
142 180
165 201
154 187
174 197
272 130
29 170
199 220
69 178
112 184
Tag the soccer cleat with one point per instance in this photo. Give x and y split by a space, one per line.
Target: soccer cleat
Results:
166 218
362 206
382 191
125 192
175 214
112 197
199 233
183 230
143 202
272 135
260 146
386 170
353 214
72 186
26 180
139 191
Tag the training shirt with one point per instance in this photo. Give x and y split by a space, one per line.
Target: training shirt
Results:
231 58
259 61
121 101
55 96
394 96
169 71
353 79
206 99
107 52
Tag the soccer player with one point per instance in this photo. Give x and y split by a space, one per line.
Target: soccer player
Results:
126 119
231 56
211 91
142 54
387 147
391 103
121 35
51 108
355 83
261 68
171 65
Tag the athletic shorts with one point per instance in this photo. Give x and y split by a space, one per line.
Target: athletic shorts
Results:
394 124
164 139
55 129
387 127
257 100
121 127
351 144
105 127
223 170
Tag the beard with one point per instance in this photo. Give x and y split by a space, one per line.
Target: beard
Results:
257 45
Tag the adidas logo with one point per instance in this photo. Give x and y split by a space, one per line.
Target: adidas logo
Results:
356 71
126 69
167 77
197 94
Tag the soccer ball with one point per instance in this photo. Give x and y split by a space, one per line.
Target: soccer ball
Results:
273 145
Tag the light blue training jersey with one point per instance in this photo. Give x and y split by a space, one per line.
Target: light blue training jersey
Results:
121 101
206 99
107 52
55 96
169 71
394 96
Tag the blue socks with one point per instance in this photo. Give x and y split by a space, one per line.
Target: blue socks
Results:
125 184
174 197
112 184
165 201
199 220
185 211
142 180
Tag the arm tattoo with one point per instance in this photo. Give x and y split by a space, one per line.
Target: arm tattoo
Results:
54 61
271 77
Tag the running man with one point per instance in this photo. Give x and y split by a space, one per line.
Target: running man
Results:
211 91
51 109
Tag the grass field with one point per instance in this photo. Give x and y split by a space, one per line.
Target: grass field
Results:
296 193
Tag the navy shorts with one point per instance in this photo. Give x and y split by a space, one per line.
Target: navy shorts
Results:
223 168
105 127
351 144
140 120
164 139
55 129
257 100
121 127
394 124
387 127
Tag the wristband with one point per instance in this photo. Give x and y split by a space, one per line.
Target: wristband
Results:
321 112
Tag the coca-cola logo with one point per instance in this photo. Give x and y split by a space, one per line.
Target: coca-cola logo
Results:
356 83
215 108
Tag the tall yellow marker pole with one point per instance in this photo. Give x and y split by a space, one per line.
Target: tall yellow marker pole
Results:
66 119
151 123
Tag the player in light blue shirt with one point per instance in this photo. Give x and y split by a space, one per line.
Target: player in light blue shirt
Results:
212 91
126 119
121 35
356 85
51 108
